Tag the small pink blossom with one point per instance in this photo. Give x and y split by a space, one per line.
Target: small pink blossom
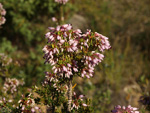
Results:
85 105
11 85
64 69
54 19
75 69
67 26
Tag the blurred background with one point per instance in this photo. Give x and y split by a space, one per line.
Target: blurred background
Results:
121 78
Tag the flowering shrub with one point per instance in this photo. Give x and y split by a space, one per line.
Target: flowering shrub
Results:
72 53
53 91
2 14
10 94
123 109
51 79
79 105
11 85
27 105
10 91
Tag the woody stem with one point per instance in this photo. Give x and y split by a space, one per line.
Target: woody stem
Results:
69 95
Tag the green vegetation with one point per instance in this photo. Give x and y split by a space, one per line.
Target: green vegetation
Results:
123 76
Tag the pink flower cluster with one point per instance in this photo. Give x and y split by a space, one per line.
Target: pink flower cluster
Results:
5 60
2 13
52 80
123 109
61 1
78 101
95 40
49 78
71 52
91 62
27 105
11 85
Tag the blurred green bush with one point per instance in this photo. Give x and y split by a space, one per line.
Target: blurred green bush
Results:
26 20
23 32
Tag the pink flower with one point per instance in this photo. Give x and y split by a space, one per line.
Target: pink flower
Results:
54 19
45 49
123 109
61 1
55 71
47 35
77 31
85 105
58 37
55 50
75 69
28 104
64 69
70 50
62 41
57 28
68 65
11 85
67 26
2 13
2 20
51 28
